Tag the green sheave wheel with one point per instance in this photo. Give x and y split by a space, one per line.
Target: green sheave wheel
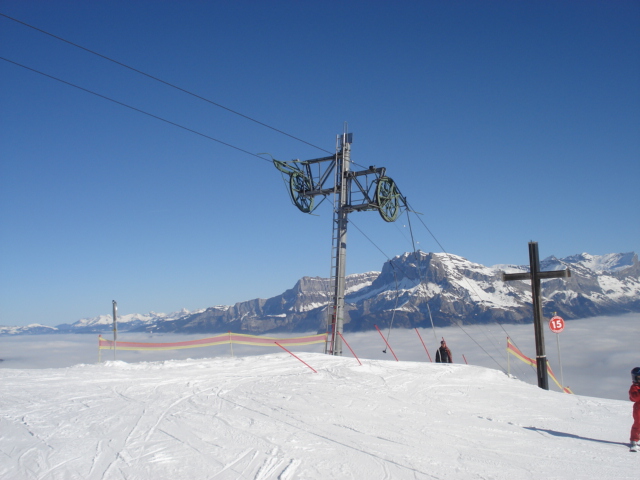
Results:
387 199
299 184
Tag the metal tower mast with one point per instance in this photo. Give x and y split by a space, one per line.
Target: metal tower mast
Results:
380 194
339 244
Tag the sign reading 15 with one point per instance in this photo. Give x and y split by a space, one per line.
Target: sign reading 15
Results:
556 324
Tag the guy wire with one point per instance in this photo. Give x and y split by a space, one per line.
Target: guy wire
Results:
163 82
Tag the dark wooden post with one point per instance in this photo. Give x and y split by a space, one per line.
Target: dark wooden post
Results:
535 275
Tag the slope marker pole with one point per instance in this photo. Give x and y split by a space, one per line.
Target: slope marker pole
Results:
293 354
352 352
115 327
425 347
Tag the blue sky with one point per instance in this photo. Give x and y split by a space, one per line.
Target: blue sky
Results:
501 121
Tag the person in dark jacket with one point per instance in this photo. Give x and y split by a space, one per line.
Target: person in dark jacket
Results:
634 396
443 354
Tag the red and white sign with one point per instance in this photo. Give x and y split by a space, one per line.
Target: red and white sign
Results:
556 324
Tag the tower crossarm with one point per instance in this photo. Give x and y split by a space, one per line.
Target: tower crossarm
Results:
352 191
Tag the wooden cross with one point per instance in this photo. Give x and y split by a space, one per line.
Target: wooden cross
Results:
535 275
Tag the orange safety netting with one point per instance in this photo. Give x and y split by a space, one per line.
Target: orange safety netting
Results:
237 338
518 354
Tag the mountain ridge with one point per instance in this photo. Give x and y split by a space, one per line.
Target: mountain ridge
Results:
412 290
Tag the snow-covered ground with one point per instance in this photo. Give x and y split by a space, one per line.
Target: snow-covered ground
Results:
262 414
271 417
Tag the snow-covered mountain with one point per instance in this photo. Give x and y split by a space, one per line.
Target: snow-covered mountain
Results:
32 329
454 289
101 323
411 290
302 308
451 288
125 322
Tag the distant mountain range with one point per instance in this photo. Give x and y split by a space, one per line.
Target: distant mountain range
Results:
409 289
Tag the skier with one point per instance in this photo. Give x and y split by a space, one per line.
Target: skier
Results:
634 396
443 354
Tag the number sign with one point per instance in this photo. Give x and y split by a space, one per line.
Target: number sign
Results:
556 324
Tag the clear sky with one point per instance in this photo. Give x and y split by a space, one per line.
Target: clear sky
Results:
501 121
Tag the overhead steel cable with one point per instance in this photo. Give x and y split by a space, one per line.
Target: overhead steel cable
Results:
421 283
395 278
235 112
415 252
135 109
468 283
471 287
457 324
105 57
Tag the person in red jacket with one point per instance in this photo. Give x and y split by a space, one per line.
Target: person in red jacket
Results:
634 396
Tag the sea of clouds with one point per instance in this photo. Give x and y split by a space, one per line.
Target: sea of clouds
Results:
596 354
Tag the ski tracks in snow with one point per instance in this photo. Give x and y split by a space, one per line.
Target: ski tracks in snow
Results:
269 418
289 408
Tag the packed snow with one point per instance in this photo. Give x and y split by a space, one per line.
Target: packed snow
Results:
272 417
269 416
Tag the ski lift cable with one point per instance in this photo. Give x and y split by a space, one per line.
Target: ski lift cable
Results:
134 109
169 84
418 259
421 282
395 307
404 235
454 265
189 129
501 351
415 254
395 276
235 112
392 263
178 125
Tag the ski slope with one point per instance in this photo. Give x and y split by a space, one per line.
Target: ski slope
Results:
270 417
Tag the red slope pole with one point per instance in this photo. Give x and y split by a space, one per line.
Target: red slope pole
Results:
352 352
465 359
385 341
425 347
296 356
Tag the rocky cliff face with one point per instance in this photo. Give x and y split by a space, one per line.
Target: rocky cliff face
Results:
301 309
448 288
412 290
